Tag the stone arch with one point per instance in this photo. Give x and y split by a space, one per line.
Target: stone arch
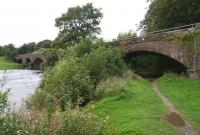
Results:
28 63
37 64
169 49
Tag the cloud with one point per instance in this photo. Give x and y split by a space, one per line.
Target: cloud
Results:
33 20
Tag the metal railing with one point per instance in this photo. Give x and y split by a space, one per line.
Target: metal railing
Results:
151 35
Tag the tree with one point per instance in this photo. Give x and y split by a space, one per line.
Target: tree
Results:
44 44
163 14
123 36
78 23
9 51
27 48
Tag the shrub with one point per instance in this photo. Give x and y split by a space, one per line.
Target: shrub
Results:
84 123
69 81
3 101
74 79
11 123
104 62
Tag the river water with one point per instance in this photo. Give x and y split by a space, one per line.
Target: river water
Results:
21 83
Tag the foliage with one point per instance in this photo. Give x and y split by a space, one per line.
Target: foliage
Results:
54 55
184 93
84 123
3 101
13 124
31 122
8 51
85 47
163 14
27 48
104 62
74 79
123 36
69 81
44 44
78 23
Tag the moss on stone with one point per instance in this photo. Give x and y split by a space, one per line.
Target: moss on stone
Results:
188 39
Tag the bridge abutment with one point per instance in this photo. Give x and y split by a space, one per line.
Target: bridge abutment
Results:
196 63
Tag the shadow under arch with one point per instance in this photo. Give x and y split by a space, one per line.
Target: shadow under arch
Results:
152 64
28 63
37 64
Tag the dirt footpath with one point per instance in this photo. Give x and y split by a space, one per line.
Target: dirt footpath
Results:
174 117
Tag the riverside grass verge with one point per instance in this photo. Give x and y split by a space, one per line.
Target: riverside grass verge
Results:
184 93
6 63
134 108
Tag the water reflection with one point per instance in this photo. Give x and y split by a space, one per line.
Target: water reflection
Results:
21 83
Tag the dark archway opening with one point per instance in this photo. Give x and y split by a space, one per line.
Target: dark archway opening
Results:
19 61
28 63
37 64
153 65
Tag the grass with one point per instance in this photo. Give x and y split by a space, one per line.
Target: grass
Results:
6 63
134 108
185 94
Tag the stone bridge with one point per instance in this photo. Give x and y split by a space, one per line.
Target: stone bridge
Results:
156 44
33 61
153 43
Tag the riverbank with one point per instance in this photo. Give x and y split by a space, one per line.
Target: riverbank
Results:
6 63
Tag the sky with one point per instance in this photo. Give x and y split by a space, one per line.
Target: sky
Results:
23 21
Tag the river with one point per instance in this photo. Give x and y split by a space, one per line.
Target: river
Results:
21 83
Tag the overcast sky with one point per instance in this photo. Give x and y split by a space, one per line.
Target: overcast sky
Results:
23 21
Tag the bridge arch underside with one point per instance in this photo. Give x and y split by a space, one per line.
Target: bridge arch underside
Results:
153 64
28 63
37 64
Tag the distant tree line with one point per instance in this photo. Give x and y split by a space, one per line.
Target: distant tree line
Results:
10 50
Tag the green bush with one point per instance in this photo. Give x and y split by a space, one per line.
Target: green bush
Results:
3 101
70 82
11 123
74 79
104 62
84 123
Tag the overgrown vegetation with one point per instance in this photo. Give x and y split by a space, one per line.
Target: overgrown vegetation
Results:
75 78
70 122
189 40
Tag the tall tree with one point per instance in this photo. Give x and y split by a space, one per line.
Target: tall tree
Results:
163 14
44 44
78 23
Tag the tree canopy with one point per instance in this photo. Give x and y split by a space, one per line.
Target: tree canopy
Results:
78 23
163 14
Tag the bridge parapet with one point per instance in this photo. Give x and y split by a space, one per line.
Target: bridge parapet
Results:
156 35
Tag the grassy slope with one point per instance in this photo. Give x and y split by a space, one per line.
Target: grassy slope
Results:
135 109
7 64
185 94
